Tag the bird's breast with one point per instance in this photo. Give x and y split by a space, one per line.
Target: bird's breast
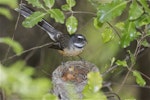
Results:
71 52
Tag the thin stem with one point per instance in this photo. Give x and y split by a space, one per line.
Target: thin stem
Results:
144 75
8 49
38 47
136 52
114 30
110 69
124 80
2 94
132 85
111 95
113 67
81 12
33 51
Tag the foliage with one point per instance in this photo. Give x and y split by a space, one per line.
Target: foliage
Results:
17 48
134 27
71 22
55 13
121 63
92 89
107 12
139 79
33 19
5 11
107 35
49 97
17 79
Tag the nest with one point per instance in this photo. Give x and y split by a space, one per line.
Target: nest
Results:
71 77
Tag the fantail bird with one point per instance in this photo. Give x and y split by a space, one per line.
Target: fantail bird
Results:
66 44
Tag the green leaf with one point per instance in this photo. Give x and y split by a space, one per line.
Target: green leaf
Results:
71 3
139 80
97 24
35 3
132 57
18 78
135 10
49 97
112 61
17 48
145 43
143 20
11 3
94 85
96 3
65 7
87 92
120 26
145 5
95 96
108 11
6 13
129 34
148 32
58 15
71 24
4 75
131 98
49 3
107 35
121 63
92 89
33 19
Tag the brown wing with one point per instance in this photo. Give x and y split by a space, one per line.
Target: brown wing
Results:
64 40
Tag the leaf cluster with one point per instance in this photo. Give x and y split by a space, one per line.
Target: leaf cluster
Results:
17 79
133 27
55 13
138 16
5 11
92 89
17 48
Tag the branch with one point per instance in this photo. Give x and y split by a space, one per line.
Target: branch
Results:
38 47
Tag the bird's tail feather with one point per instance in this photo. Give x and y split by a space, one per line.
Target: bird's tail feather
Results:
52 32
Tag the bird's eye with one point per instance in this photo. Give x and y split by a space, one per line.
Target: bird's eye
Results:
80 38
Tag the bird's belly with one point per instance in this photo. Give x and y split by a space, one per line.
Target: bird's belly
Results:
70 52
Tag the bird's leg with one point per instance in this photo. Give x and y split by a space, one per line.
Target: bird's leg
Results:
82 60
62 63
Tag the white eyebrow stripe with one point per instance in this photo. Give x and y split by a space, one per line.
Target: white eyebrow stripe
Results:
81 37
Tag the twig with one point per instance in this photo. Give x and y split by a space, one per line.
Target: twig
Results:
110 69
136 52
111 94
113 67
133 85
31 53
144 75
81 12
114 30
38 47
8 50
